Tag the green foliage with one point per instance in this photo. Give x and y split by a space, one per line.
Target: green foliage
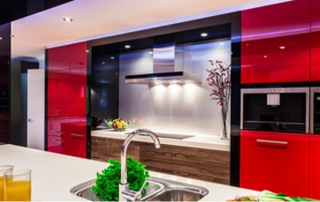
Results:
107 183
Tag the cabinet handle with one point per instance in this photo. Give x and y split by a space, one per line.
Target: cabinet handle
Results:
57 142
76 135
272 143
57 133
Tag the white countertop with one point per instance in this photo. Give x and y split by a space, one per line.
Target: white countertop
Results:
198 141
53 175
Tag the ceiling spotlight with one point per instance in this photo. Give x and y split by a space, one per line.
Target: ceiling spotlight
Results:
1 38
282 47
103 63
221 44
87 51
112 58
204 34
127 46
68 19
265 56
150 52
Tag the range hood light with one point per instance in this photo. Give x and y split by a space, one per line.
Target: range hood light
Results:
204 34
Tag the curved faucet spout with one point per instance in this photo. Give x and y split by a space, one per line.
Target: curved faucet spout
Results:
124 184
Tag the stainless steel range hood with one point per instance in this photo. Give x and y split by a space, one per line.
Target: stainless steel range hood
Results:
163 69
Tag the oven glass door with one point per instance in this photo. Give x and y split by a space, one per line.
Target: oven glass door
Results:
288 116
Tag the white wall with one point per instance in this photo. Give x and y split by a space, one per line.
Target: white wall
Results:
183 109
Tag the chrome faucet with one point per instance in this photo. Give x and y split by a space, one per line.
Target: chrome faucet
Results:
124 193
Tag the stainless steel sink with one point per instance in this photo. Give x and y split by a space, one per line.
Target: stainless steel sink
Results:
158 190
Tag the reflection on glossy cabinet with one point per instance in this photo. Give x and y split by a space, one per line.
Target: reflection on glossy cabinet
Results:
315 40
66 98
275 44
314 179
275 161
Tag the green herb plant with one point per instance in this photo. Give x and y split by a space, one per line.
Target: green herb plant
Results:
107 183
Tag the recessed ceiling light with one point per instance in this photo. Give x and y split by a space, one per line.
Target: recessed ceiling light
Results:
103 63
87 51
150 52
127 46
112 58
265 56
1 38
204 34
282 47
68 19
221 44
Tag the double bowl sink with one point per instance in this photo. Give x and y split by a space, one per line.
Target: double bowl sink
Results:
158 190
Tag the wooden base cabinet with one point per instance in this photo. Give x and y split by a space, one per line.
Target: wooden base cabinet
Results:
202 164
277 162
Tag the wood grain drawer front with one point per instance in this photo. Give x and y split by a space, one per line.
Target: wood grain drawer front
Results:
156 159
203 164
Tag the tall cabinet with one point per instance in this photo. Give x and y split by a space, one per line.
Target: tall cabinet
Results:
66 103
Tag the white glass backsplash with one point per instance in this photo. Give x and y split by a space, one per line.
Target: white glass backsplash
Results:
183 109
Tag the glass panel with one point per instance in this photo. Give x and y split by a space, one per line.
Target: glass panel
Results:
289 116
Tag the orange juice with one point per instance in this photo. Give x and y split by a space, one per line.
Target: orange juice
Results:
1 188
17 191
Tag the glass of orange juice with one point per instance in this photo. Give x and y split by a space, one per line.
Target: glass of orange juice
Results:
17 185
3 169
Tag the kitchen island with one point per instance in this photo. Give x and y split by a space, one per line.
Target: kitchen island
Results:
53 175
176 156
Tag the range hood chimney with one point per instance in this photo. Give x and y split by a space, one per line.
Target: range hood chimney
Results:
163 69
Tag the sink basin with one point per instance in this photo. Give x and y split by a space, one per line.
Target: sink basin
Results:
83 190
158 190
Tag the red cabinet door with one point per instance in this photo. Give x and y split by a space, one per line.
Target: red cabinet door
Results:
314 180
56 138
315 40
77 146
275 43
277 162
67 97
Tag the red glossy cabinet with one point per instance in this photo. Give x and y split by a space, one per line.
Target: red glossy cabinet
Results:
278 162
275 44
314 179
315 40
66 99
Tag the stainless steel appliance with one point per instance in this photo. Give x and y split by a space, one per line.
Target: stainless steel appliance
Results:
276 109
315 110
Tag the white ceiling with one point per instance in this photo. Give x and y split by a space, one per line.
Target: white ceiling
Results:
101 18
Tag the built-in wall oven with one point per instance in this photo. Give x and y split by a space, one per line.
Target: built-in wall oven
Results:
276 109
315 110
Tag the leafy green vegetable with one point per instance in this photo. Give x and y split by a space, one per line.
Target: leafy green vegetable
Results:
266 195
107 183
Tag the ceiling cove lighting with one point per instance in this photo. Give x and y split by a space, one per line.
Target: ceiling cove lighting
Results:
127 46
204 34
68 19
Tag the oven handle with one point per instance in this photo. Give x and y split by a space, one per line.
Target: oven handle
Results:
272 143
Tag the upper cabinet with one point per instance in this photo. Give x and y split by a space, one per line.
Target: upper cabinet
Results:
315 40
275 44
